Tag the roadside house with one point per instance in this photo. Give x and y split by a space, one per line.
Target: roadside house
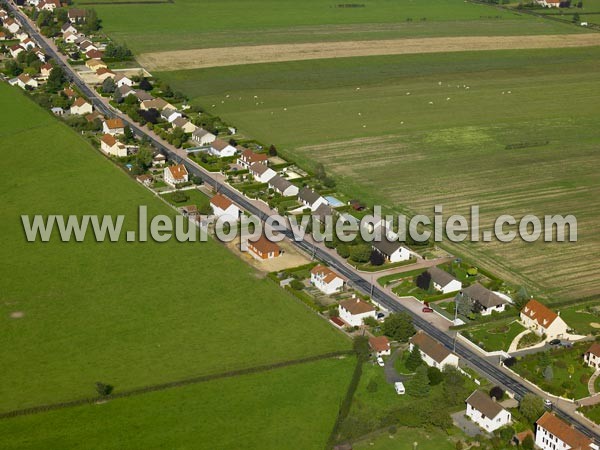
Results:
310 198
442 281
45 70
11 25
353 311
261 172
221 149
170 115
433 353
174 175
542 320
81 107
592 356
324 211
392 251
103 73
552 433
248 157
326 280
112 147
203 137
24 81
484 300
158 160
222 206
156 103
486 412
123 80
95 64
184 124
380 345
262 248
283 186
113 126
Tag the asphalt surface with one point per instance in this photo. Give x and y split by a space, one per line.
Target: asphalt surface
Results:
491 371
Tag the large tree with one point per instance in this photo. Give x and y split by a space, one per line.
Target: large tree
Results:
398 326
56 80
532 407
418 386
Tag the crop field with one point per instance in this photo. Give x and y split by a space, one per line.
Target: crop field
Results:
514 132
189 24
296 405
126 314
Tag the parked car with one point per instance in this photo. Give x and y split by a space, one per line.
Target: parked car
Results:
427 309
380 361
566 344
399 386
380 316
554 342
548 403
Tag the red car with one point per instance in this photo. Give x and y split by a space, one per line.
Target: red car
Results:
427 309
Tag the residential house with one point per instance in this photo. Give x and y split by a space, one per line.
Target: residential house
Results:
174 175
592 356
81 107
262 248
203 137
380 345
57 111
542 320
28 44
21 35
283 186
112 147
184 124
76 15
433 353
310 198
69 37
2 36
392 251
552 433
49 5
113 126
261 172
326 280
223 207
324 211
354 311
170 115
156 103
15 50
486 412
123 80
189 210
40 54
248 157
158 160
69 93
68 28
221 149
552 3
45 70
102 74
24 81
87 45
93 116
95 64
145 179
483 300
11 25
442 281
94 54
143 96
125 91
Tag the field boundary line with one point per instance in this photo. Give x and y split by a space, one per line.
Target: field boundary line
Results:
172 384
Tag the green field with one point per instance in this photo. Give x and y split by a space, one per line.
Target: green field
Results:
442 144
127 314
496 335
187 24
295 405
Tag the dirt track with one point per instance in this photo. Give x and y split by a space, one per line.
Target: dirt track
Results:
229 56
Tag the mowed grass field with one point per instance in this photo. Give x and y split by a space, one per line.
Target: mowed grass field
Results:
292 408
188 24
413 131
126 314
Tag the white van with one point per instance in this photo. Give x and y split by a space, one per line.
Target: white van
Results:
399 386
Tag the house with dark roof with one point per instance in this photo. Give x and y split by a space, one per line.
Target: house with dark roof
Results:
326 280
310 198
354 311
552 433
542 320
486 412
483 300
261 172
433 353
76 15
592 356
184 124
392 251
202 137
442 281
170 114
324 211
283 186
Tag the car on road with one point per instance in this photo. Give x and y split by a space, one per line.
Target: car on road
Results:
380 361
547 403
427 309
554 342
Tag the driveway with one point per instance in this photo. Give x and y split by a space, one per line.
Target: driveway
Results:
469 428
391 374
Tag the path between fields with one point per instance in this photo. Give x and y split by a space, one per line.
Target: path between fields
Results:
229 56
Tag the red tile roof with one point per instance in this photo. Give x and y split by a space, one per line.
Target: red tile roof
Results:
565 432
379 343
356 306
594 349
220 201
178 172
543 315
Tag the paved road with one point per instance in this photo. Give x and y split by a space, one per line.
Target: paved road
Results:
477 361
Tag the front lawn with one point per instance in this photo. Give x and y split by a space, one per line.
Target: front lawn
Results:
592 413
494 336
408 288
584 319
195 197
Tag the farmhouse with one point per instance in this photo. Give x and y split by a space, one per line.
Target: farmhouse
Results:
592 356
174 175
392 251
552 433
113 126
262 248
283 186
184 124
248 157
81 107
310 198
542 320
380 345
486 411
433 353
353 311
170 115
203 137
442 281
110 146
261 172
484 300
222 206
326 280
76 15
221 149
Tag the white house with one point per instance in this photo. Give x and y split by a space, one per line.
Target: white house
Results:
392 251
261 172
552 433
433 353
326 280
170 115
174 175
310 198
68 28
76 15
592 356
550 3
380 345
45 70
542 320
222 206
113 126
484 300
221 149
248 157
353 311
158 160
15 50
24 81
184 124
28 44
110 146
442 281
122 80
486 412
283 186
203 137
69 37
81 107
11 25
125 91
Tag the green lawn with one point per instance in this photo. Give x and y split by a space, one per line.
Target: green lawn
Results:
295 405
195 198
186 24
581 318
592 413
386 147
495 335
404 439
127 314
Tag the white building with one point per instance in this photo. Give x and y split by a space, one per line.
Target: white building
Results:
221 149
592 356
433 353
112 147
222 206
123 80
113 126
248 157
170 115
380 345
484 300
443 282
310 198
542 320
283 186
184 124
81 107
486 412
174 175
552 433
203 137
261 172
326 280
353 311
392 251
